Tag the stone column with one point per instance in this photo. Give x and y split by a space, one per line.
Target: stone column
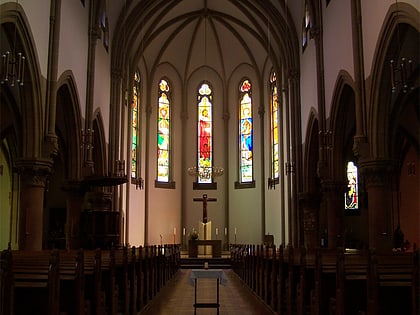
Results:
377 178
33 176
333 192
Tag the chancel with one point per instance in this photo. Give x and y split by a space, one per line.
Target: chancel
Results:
133 132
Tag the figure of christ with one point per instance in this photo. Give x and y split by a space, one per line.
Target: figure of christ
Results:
205 133
205 199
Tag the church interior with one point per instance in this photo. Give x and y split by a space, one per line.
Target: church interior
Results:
282 135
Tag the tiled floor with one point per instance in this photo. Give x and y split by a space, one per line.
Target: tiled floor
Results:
177 297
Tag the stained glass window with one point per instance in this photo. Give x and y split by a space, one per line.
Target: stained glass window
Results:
104 25
306 24
351 197
135 110
163 132
274 116
205 133
246 128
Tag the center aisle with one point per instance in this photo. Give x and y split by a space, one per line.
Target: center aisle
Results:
177 297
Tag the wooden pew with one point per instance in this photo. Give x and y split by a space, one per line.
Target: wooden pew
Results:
84 282
393 283
35 277
72 282
6 282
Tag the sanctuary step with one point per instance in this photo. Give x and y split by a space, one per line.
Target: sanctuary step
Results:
223 262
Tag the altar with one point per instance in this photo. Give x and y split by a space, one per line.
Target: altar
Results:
215 244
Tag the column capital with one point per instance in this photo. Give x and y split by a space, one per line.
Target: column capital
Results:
377 172
334 186
34 171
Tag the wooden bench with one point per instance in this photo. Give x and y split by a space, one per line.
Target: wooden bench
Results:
96 282
34 276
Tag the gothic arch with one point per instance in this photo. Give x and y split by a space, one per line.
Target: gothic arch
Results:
401 26
342 124
311 156
99 157
68 124
28 96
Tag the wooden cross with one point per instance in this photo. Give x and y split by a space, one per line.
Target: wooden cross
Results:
204 200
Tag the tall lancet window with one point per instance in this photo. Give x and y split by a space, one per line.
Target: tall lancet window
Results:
274 129
307 23
245 133
163 132
351 197
135 133
205 133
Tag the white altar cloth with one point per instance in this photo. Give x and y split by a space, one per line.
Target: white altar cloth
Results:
208 273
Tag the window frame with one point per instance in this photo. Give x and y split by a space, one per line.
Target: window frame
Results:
240 184
169 184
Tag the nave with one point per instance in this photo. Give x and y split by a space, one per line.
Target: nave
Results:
235 297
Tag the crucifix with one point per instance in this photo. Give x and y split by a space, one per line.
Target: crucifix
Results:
205 199
205 226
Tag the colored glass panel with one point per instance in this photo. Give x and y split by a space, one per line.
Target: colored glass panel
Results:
274 114
163 134
205 150
351 197
135 104
246 128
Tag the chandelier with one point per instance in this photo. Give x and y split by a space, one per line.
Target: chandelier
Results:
401 69
12 63
205 172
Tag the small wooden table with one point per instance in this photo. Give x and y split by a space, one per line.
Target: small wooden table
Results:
217 274
193 247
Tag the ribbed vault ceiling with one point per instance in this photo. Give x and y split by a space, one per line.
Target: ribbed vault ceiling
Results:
221 34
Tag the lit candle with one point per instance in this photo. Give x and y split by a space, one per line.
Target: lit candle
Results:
235 231
217 231
183 231
174 230
225 231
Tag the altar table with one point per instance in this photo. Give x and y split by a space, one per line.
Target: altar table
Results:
193 247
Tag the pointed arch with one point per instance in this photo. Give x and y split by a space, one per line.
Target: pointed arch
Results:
400 18
69 124
99 154
28 96
342 124
310 159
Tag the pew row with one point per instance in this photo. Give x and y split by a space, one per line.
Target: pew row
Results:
324 281
116 281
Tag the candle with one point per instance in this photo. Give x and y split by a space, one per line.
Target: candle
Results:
183 231
225 231
174 230
235 231
217 231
